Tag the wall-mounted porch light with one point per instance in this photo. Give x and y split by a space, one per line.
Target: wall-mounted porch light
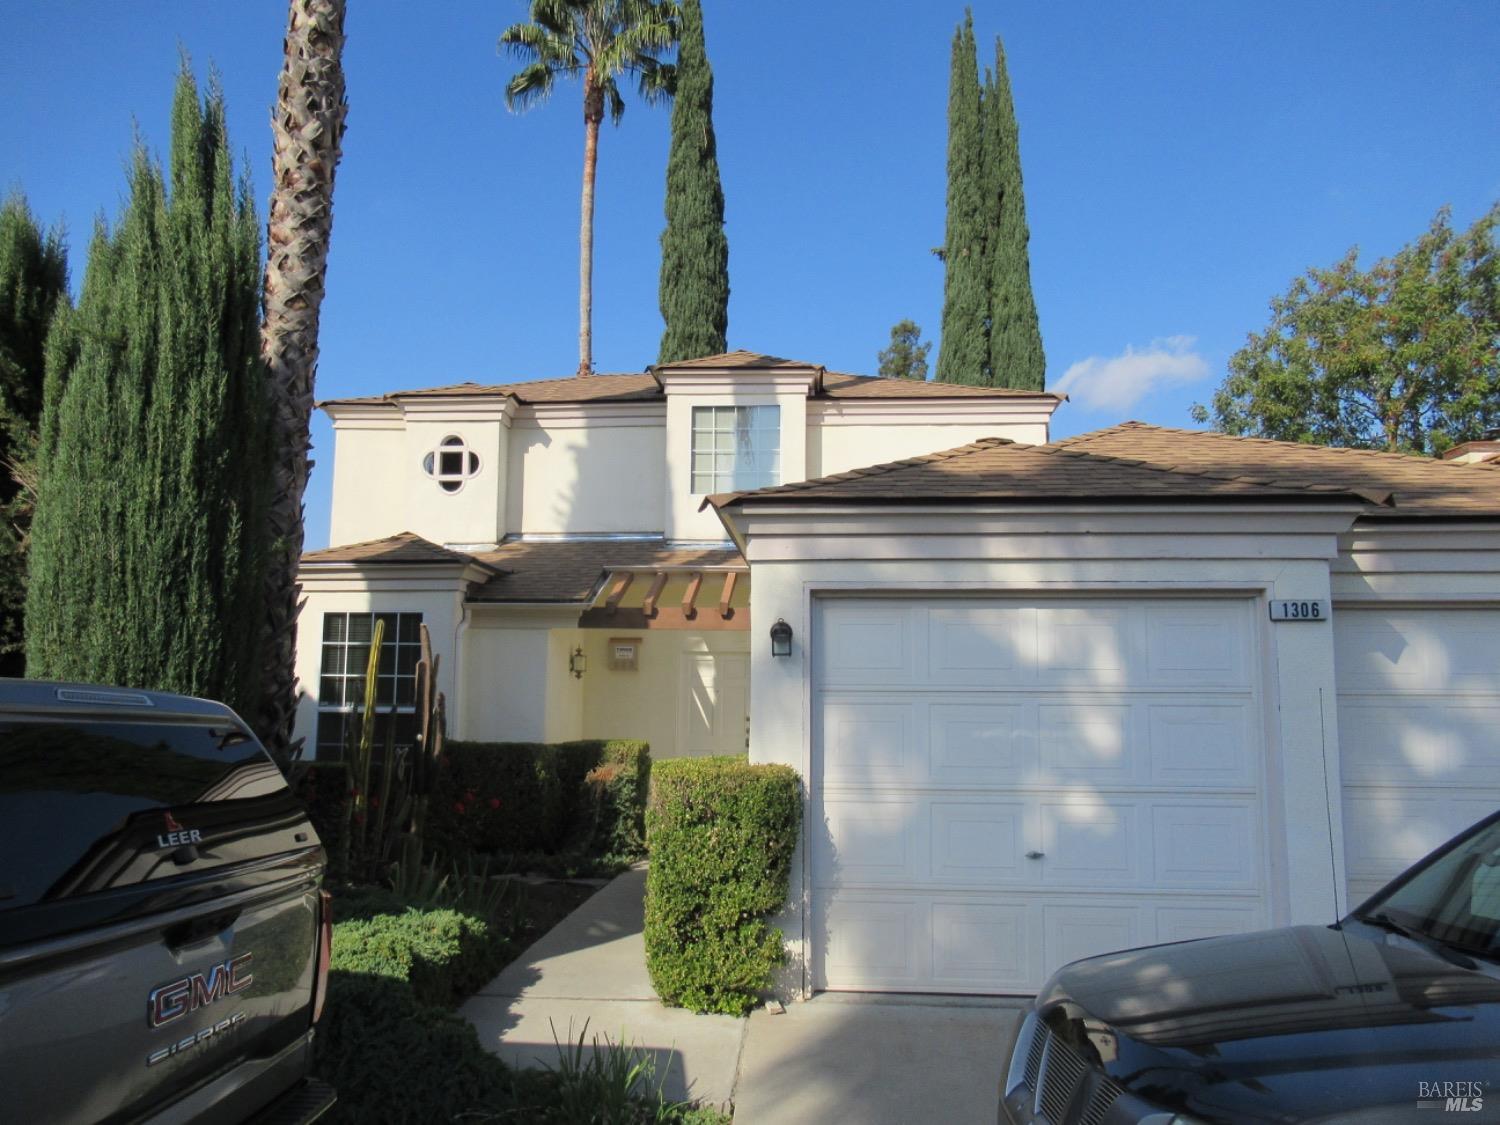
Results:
578 664
781 638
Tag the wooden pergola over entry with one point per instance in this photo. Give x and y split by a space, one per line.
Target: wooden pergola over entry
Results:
671 600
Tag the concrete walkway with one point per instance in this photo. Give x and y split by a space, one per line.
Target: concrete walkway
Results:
867 1059
592 967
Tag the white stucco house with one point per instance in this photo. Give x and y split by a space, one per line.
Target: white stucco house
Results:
1049 699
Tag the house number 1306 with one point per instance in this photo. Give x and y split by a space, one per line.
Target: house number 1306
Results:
1306 610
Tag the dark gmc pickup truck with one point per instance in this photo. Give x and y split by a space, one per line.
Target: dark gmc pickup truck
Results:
164 937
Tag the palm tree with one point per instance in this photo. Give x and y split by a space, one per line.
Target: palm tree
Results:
599 41
308 128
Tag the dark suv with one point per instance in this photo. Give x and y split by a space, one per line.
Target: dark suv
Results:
164 937
1394 1010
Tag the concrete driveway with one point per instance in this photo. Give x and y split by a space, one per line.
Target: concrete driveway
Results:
867 1059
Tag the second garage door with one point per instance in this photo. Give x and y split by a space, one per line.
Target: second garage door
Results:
1419 731
1002 786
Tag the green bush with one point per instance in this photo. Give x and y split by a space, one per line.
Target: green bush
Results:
444 955
721 833
519 797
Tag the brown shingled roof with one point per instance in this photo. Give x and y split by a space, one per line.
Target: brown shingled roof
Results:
1419 486
740 357
644 388
405 548
569 570
1000 469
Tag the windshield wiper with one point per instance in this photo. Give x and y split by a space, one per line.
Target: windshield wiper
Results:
1385 922
1456 952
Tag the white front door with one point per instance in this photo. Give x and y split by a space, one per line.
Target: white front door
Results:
1419 732
1001 786
713 704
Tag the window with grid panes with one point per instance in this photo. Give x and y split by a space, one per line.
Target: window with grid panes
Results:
341 686
736 448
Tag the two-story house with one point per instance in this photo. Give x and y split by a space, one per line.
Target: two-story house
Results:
552 536
1048 698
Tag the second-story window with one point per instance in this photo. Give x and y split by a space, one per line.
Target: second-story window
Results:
736 448
451 463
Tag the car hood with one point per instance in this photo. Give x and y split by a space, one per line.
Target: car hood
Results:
1297 1024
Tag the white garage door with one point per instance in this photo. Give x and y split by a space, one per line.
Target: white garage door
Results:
1419 732
1004 786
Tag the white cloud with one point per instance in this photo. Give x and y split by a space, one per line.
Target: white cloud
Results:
1119 382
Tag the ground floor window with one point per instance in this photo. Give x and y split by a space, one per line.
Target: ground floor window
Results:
341 685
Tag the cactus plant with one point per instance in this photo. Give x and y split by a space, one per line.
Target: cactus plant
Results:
379 820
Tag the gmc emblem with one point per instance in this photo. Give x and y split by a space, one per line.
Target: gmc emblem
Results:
168 1002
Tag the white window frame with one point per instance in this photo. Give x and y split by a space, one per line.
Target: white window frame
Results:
727 443
448 479
335 666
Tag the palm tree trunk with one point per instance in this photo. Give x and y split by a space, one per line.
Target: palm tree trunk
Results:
308 128
593 114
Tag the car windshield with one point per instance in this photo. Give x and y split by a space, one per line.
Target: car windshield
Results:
1454 900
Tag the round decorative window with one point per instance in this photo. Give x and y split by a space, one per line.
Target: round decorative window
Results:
451 463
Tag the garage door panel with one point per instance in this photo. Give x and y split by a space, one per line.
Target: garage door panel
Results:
871 841
982 842
1385 833
866 940
1209 846
1204 643
1201 745
1084 645
866 643
981 644
1424 741
1087 740
1091 842
986 742
981 944
872 743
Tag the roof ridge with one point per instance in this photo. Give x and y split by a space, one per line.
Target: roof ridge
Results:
1256 439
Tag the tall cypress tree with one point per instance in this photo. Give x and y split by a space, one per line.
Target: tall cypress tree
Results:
963 351
146 546
1015 356
33 289
694 252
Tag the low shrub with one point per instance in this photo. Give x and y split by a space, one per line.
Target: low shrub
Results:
522 797
443 954
721 834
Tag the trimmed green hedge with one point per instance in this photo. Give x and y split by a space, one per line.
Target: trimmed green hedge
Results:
539 797
444 955
721 833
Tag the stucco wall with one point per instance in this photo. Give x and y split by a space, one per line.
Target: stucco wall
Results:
646 703
606 475
370 481
836 448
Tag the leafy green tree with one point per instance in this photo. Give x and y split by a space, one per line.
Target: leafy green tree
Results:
1403 356
963 352
33 289
906 358
694 252
1015 356
147 543
599 41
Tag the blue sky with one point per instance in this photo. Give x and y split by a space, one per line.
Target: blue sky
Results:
1183 161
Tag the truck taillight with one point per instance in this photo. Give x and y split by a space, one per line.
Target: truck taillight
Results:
325 952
